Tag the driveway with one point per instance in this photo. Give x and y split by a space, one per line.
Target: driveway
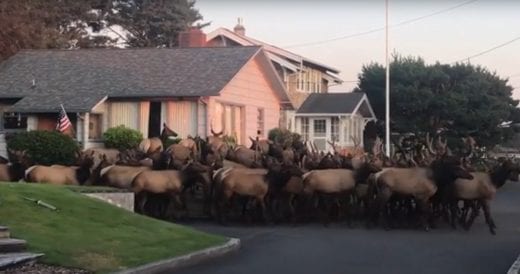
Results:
313 248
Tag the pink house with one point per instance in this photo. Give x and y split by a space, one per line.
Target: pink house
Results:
191 89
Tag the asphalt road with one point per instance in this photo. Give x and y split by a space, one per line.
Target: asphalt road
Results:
313 248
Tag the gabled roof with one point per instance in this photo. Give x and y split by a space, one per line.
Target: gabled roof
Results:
248 41
81 78
335 104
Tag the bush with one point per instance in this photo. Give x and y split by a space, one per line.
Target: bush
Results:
121 137
45 147
283 136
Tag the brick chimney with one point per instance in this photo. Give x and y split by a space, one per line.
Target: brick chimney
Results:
239 28
192 38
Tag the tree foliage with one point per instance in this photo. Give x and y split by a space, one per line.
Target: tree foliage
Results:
45 24
153 23
461 99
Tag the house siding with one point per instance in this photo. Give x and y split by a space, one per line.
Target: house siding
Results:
124 113
182 117
249 90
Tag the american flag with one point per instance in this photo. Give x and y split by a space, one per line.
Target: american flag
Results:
63 121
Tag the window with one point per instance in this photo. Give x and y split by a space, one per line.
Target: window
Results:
14 120
309 81
334 129
260 122
95 126
320 128
229 119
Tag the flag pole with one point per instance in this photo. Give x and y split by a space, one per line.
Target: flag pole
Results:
387 86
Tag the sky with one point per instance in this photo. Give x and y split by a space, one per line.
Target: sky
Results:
436 30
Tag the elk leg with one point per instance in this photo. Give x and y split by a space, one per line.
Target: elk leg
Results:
381 206
454 208
265 215
424 211
292 209
487 215
142 202
475 208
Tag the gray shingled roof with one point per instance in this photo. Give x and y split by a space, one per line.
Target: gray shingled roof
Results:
339 103
79 79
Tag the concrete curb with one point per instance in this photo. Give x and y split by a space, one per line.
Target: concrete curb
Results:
193 258
515 267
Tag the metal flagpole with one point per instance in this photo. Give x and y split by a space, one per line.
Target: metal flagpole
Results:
387 87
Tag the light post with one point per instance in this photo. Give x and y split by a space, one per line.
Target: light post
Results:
387 86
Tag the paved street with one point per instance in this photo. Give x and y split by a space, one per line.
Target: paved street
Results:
313 248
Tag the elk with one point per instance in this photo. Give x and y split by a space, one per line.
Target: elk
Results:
421 183
14 170
171 182
245 156
337 183
150 145
482 188
60 175
217 144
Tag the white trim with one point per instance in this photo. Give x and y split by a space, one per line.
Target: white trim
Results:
284 63
247 41
99 103
364 99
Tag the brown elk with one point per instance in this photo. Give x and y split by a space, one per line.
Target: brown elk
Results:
217 144
171 182
60 175
421 183
15 170
245 156
150 145
335 183
482 188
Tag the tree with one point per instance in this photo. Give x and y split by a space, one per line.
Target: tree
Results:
461 99
151 23
43 24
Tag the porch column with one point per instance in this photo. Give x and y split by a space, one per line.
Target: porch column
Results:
341 131
86 123
32 122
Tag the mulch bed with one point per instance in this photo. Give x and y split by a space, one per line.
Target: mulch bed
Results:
43 269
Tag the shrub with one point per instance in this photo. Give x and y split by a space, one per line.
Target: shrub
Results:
283 136
45 147
121 137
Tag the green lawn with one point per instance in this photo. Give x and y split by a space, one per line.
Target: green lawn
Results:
90 234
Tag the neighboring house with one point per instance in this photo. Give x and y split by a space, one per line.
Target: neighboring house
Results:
190 89
300 75
334 117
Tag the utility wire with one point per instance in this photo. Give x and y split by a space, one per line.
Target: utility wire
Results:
382 28
488 50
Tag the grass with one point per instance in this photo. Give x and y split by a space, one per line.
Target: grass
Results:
90 234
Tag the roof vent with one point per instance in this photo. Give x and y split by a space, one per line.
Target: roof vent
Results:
33 83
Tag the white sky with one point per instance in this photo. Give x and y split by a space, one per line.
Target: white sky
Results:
445 37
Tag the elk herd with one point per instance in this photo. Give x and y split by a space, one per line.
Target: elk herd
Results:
290 180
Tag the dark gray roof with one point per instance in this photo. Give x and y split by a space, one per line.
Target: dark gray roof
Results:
340 103
35 103
81 78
